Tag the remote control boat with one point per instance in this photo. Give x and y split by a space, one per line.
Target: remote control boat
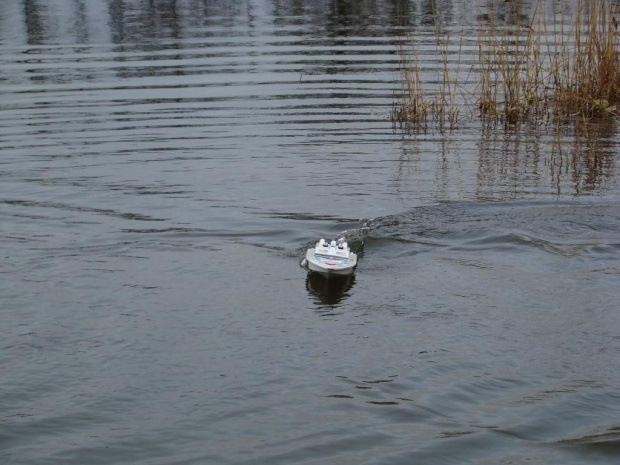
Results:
331 258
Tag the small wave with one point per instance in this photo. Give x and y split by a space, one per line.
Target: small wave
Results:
78 208
604 440
564 229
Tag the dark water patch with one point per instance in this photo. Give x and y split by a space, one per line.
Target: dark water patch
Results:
311 217
455 434
329 291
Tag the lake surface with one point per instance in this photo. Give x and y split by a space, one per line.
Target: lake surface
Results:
164 166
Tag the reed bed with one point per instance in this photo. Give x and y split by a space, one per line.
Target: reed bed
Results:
544 69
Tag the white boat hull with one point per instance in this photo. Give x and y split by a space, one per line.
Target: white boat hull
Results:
329 266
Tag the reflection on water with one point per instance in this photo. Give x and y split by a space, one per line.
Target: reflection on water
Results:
576 159
510 163
587 152
329 291
322 73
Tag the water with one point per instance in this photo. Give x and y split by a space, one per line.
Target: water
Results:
164 166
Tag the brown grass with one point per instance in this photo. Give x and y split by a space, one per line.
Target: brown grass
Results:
587 77
525 72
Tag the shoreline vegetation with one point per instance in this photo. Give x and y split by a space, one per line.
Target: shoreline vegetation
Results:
517 69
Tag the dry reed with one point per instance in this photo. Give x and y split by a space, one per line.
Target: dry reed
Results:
525 72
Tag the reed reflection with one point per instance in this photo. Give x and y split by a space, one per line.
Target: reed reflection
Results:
568 160
509 163
584 154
